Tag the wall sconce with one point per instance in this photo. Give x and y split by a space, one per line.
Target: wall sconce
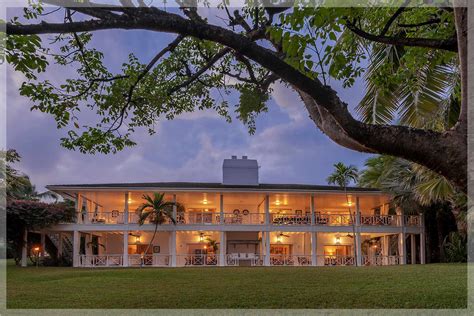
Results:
338 240
201 238
204 201
137 239
277 202
278 239
349 203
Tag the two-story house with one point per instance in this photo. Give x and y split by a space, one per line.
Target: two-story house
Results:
239 222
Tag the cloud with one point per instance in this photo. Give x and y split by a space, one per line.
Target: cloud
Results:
288 100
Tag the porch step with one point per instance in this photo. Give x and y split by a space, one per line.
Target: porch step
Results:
66 244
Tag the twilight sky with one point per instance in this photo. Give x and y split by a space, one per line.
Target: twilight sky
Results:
287 144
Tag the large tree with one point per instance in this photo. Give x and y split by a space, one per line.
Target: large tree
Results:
414 60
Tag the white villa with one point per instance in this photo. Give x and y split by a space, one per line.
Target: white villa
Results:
239 222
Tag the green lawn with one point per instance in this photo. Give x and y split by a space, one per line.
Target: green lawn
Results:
419 286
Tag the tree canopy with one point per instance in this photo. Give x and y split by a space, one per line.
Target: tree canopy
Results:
413 60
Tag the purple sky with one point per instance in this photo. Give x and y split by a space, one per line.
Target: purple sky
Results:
287 144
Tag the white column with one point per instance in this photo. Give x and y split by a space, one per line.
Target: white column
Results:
313 215
125 249
60 245
223 249
172 247
24 249
88 237
267 248
413 248
357 237
314 243
267 209
221 209
76 244
402 247
385 249
126 208
43 245
78 205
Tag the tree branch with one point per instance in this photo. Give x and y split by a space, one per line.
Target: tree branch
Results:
394 17
147 69
198 73
444 44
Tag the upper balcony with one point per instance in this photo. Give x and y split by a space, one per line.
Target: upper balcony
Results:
248 208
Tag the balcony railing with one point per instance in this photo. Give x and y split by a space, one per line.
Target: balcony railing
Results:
290 219
214 218
380 220
244 219
290 260
338 260
113 217
155 260
412 220
197 260
333 219
380 260
245 259
100 260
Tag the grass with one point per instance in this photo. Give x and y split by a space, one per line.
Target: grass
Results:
418 286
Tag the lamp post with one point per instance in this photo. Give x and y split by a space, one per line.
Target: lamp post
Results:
36 252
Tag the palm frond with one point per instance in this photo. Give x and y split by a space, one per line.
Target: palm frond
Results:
379 104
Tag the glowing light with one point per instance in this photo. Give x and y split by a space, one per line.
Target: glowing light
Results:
338 240
279 239
277 202
36 249
204 201
137 239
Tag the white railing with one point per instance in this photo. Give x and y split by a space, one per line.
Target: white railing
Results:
198 218
380 260
380 220
134 217
333 219
100 260
244 259
114 217
290 260
243 219
197 260
412 220
154 260
290 219
338 260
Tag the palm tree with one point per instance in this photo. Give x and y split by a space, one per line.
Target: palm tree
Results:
157 211
342 176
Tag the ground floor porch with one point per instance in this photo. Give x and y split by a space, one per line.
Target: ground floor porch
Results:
238 248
